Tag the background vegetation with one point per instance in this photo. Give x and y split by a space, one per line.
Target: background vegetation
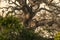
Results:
29 19
11 29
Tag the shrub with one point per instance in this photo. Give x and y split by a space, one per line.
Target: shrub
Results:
11 29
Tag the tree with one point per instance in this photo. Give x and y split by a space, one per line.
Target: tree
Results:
31 7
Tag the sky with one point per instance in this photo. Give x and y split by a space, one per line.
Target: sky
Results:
4 3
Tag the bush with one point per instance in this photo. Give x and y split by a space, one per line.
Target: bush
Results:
11 29
9 25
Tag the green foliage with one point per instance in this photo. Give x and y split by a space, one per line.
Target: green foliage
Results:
8 26
9 21
27 34
57 36
11 29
